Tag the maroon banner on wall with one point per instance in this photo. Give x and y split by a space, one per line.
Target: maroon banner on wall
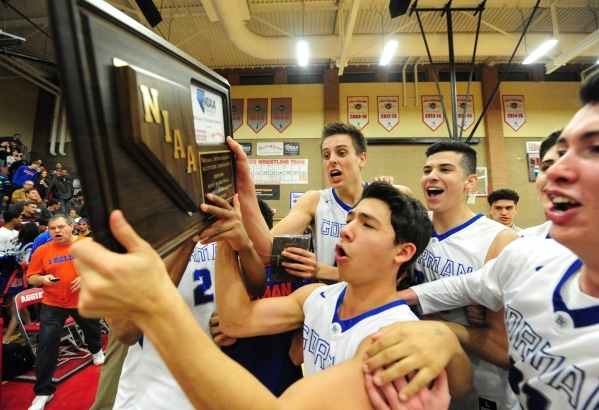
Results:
237 112
257 111
280 113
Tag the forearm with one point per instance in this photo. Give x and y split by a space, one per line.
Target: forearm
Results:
231 296
327 272
177 261
256 228
35 280
408 296
485 343
126 331
253 271
459 373
207 366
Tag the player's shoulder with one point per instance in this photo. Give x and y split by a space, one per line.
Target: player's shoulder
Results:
534 247
308 202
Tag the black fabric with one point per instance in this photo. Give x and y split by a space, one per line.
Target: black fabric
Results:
16 360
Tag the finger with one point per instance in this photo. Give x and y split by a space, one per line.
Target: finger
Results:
236 204
385 354
218 339
299 251
90 255
374 394
297 273
422 379
392 396
124 233
237 149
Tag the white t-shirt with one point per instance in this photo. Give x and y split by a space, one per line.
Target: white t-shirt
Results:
553 328
8 239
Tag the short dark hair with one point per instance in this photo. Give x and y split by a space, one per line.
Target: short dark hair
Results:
11 214
52 202
28 233
266 213
409 217
468 161
28 190
42 221
504 193
589 90
25 203
80 193
334 128
549 142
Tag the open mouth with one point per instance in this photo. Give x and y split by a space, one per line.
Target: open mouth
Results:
562 204
340 251
434 191
335 174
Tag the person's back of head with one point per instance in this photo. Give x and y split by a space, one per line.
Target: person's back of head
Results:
409 218
266 213
52 202
468 161
10 215
28 233
341 128
505 193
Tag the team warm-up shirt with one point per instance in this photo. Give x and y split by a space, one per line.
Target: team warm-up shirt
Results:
552 327
156 386
459 252
329 340
57 260
330 217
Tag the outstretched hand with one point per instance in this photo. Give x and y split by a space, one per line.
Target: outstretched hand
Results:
228 227
120 286
304 262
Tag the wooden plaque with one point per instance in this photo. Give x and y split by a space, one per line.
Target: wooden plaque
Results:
148 124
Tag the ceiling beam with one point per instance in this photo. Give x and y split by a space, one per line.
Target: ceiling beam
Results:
572 52
349 30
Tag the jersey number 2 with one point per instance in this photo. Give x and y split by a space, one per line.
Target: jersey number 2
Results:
199 293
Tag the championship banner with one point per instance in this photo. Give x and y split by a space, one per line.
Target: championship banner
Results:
280 113
469 111
432 111
269 148
237 113
208 121
282 171
388 111
513 111
257 110
357 111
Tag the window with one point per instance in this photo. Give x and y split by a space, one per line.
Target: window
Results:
395 77
305 79
563 76
515 76
459 76
358 78
256 79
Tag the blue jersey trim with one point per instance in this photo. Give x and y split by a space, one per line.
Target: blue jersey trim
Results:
342 204
349 323
588 316
457 228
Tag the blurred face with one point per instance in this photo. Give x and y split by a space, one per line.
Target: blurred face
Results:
72 213
340 161
64 173
28 185
504 211
44 174
30 209
42 228
15 154
83 226
58 166
60 231
572 191
33 195
444 182
35 166
541 182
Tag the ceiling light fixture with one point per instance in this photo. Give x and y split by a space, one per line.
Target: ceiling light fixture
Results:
539 52
303 53
388 52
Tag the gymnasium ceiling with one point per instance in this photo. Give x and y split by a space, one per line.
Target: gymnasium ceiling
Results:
233 34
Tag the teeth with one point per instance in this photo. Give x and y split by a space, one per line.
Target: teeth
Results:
435 189
562 200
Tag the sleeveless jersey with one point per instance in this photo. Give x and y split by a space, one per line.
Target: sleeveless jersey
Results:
329 340
552 327
127 390
157 388
460 251
330 217
539 230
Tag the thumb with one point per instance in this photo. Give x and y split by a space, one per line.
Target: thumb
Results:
237 204
237 150
124 233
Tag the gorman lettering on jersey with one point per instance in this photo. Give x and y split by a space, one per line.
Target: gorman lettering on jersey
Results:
546 375
331 228
319 348
60 259
428 262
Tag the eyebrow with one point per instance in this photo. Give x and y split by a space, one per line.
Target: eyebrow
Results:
439 165
363 215
587 135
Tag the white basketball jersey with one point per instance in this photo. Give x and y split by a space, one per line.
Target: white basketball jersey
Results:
539 230
127 390
330 217
460 251
157 388
552 327
329 340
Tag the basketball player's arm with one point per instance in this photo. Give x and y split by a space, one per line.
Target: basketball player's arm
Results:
242 317
126 331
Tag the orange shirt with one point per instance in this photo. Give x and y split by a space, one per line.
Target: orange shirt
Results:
56 260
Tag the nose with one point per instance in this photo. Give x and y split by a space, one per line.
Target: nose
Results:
563 171
346 232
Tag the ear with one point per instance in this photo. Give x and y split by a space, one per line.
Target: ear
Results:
405 251
470 182
362 160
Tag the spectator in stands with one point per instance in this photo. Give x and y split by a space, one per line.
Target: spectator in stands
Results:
5 191
76 203
18 162
16 140
42 185
4 152
42 225
15 156
84 229
53 206
57 171
61 189
33 194
26 236
503 207
29 213
18 195
8 232
41 210
26 173
59 301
